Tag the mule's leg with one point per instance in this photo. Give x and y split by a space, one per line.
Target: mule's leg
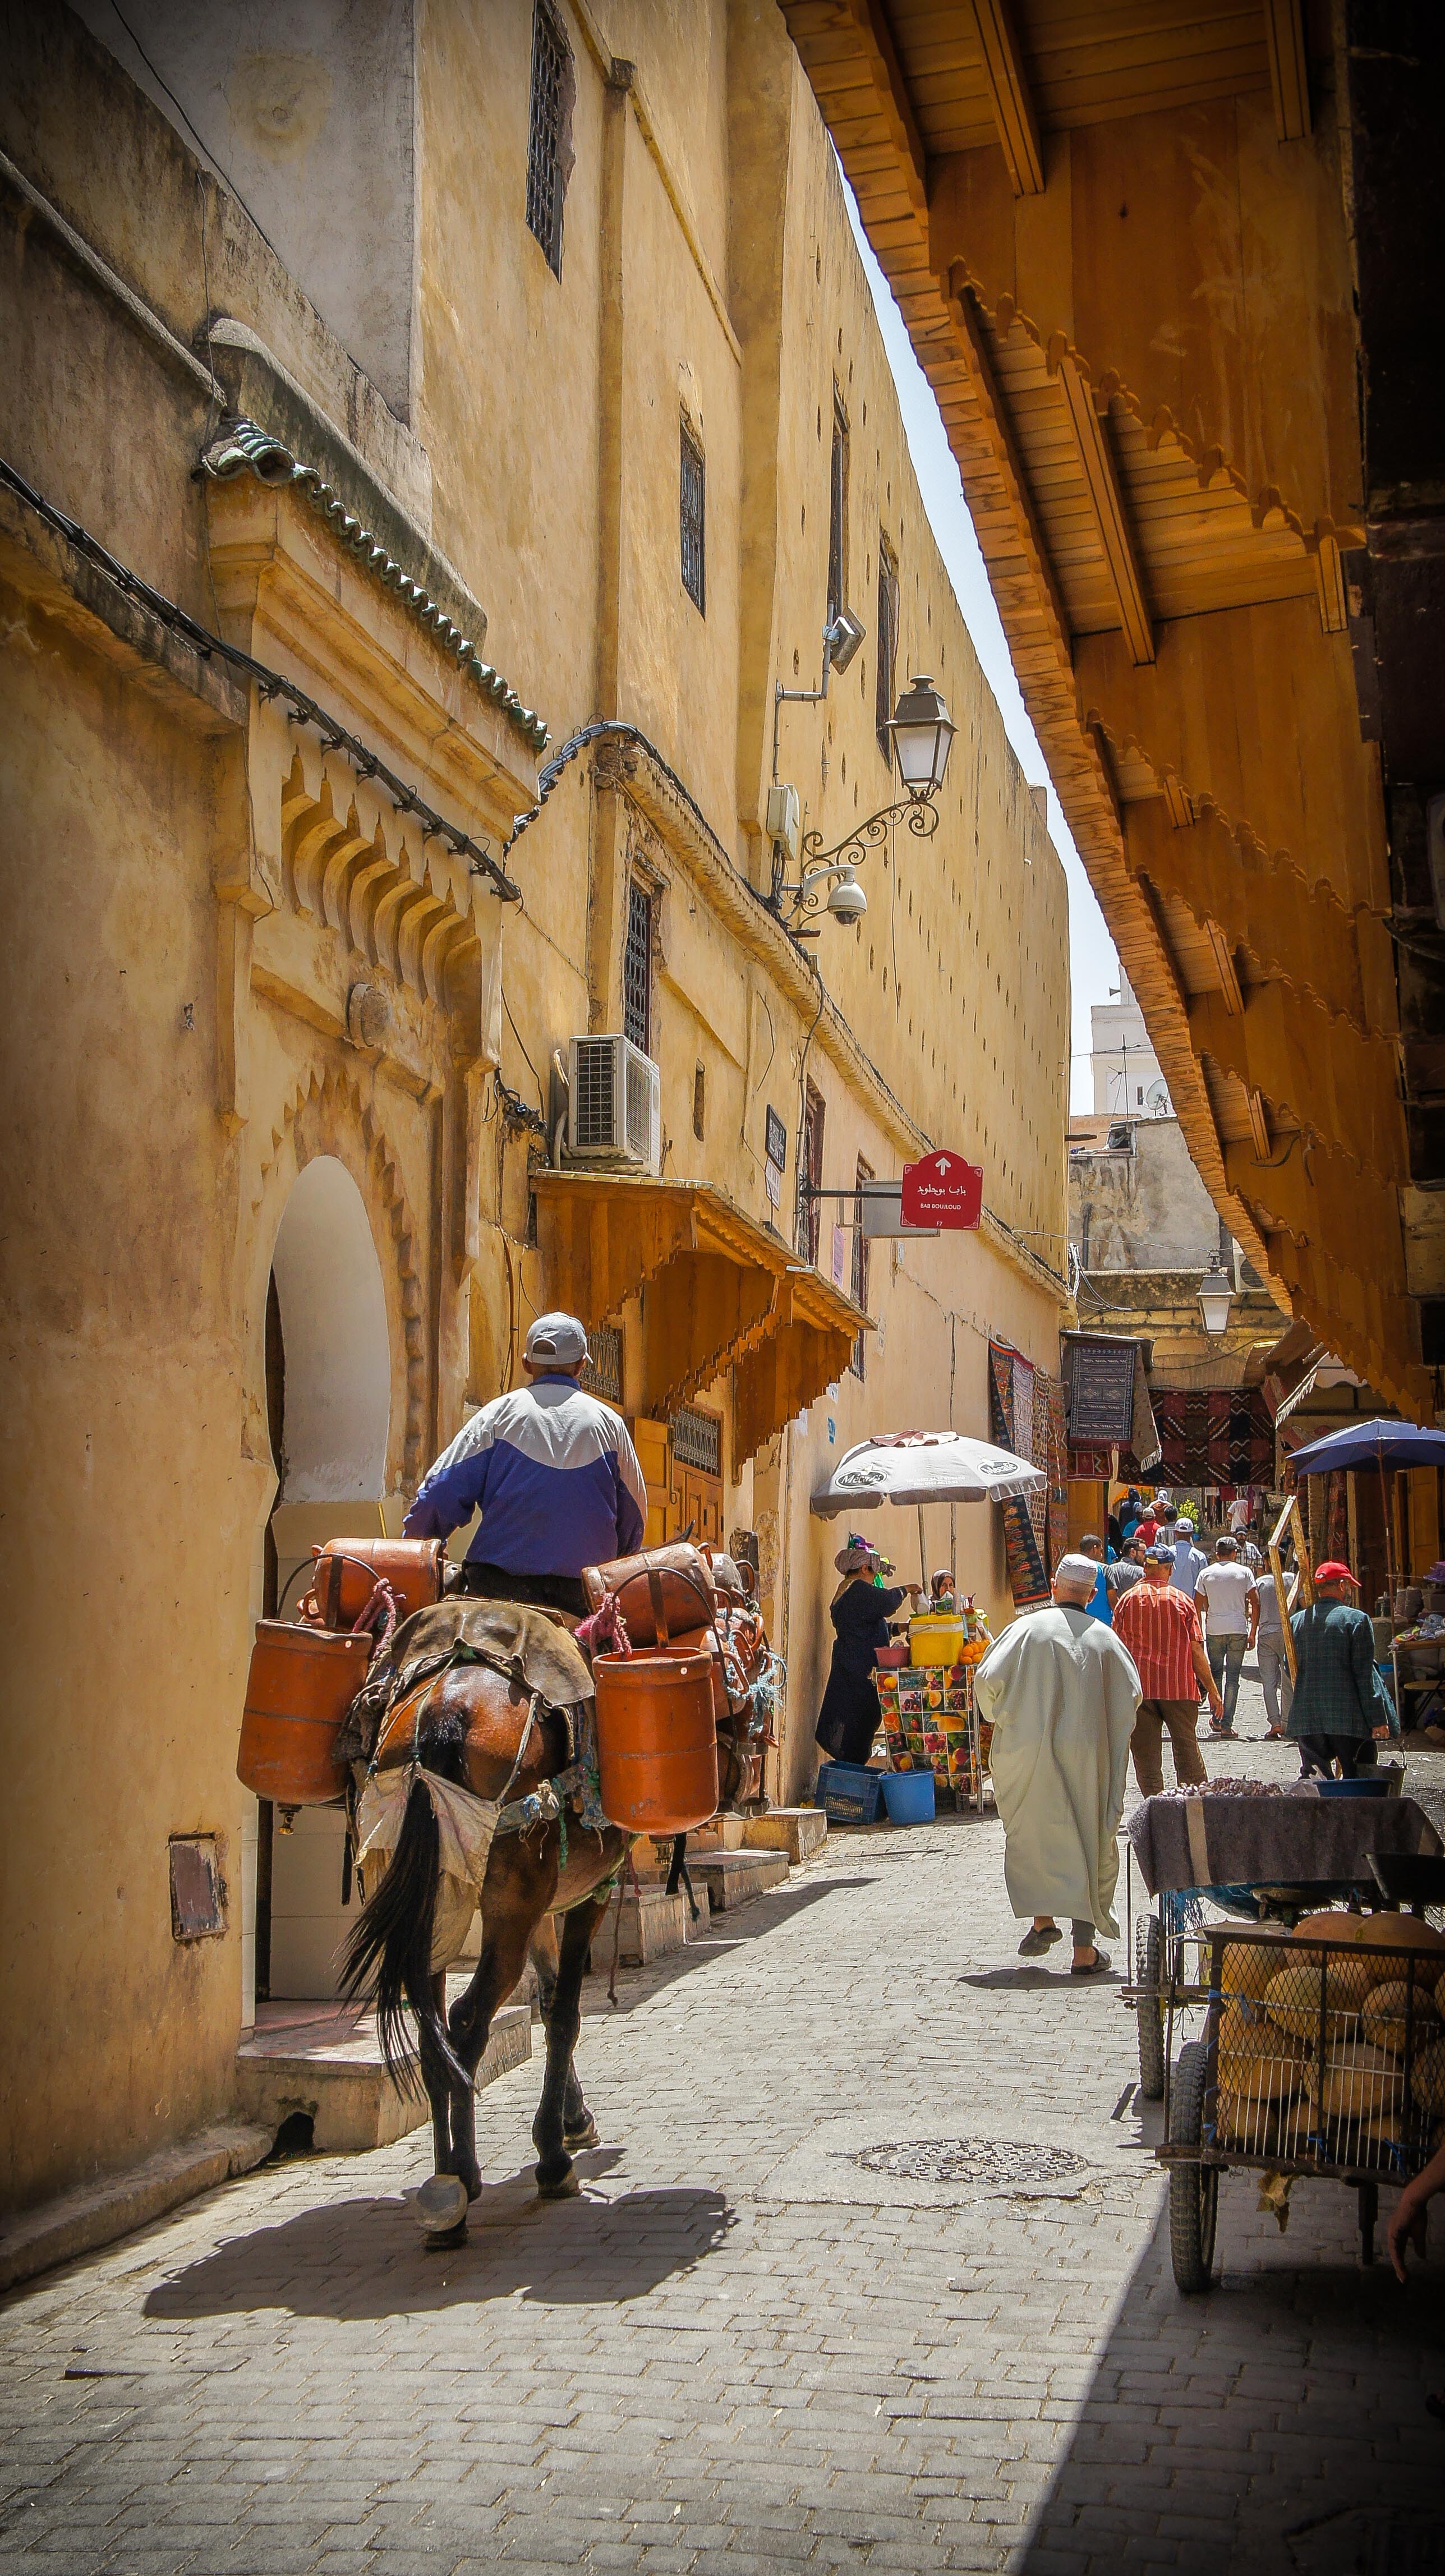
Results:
555 2178
441 2204
504 1956
579 2129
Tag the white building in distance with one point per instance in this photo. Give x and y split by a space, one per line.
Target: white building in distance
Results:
1127 1079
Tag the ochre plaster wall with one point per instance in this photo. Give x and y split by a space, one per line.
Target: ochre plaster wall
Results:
130 1505
542 461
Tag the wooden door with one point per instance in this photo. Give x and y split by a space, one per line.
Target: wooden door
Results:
650 1440
702 1506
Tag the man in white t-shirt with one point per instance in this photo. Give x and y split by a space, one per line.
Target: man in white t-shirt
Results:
1227 1602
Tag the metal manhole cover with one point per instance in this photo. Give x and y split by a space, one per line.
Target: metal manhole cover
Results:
989 2160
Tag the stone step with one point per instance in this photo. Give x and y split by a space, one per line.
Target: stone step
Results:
725 1833
331 2071
35 2240
652 1924
798 1831
732 1877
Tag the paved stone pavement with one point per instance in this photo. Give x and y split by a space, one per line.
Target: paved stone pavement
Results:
742 2348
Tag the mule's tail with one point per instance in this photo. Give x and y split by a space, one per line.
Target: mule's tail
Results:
388 1956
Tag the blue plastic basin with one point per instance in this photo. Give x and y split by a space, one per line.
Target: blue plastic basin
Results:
1376 1786
908 1797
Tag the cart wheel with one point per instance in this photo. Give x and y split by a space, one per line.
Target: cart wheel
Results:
1149 2005
1193 2189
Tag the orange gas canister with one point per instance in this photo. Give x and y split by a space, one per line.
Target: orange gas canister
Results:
656 1741
303 1681
704 1641
348 1568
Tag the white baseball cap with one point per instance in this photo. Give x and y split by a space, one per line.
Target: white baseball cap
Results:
556 1341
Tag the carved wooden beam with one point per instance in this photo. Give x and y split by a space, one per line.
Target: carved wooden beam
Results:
1106 500
1288 75
891 89
998 430
1013 107
1223 956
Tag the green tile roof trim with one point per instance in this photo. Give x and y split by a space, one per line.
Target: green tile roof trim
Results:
240 447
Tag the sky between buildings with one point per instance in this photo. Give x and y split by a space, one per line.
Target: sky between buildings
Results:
1093 960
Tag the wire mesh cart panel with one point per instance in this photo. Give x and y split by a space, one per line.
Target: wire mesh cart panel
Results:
1308 2055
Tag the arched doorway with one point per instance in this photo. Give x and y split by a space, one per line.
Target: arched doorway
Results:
328 1401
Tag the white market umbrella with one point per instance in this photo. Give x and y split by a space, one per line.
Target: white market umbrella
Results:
922 1467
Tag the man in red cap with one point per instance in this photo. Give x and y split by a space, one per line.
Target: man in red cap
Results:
1340 1707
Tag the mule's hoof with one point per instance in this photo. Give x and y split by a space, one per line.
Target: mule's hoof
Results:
576 2139
566 2187
441 2204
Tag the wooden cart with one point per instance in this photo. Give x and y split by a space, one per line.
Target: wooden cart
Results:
1288 2073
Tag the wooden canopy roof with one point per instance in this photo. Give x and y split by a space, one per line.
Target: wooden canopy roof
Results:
1117 234
719 1292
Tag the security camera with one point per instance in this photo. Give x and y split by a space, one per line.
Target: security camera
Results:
843 638
847 901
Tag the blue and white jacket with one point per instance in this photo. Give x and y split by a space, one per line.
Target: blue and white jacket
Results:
553 1474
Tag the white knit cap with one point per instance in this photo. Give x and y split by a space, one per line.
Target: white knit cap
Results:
1076 1569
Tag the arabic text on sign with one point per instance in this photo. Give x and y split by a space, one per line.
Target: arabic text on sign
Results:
944 1191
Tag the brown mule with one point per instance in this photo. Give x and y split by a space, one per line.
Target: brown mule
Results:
485 1730
480 1725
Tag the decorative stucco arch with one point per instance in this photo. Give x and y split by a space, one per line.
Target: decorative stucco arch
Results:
329 1114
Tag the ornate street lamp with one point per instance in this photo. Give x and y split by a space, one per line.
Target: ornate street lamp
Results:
1216 1296
922 732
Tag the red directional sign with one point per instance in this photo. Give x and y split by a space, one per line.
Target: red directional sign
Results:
944 1191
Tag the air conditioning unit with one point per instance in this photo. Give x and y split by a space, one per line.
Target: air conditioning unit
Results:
615 1110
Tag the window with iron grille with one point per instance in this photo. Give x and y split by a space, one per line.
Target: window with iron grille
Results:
838 512
887 646
810 1221
859 1282
693 514
549 142
602 1374
637 969
697 1440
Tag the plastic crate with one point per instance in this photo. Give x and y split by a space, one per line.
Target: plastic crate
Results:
849 1793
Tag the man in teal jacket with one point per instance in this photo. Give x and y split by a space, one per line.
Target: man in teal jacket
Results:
1340 1708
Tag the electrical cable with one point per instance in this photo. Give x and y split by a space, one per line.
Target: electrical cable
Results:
531 1068
271 684
198 139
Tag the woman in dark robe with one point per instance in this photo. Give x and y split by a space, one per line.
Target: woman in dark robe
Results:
860 1611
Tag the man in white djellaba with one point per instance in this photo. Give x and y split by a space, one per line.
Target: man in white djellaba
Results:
1062 1695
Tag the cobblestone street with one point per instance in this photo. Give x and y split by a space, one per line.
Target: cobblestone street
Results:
743 2347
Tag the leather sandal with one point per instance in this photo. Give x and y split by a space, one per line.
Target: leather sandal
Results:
1095 1967
1040 1938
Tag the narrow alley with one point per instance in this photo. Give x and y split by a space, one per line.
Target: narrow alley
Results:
778 2328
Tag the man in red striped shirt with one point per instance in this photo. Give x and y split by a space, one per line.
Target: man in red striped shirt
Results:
1160 1627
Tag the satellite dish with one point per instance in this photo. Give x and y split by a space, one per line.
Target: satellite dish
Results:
1156 1100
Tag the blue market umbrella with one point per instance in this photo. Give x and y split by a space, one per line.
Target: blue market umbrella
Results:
1379 1445
1371 1444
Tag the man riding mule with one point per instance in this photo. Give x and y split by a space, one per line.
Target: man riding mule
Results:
553 1473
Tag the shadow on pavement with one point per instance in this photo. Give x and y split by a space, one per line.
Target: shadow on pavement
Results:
1021 1979
366 2258
731 1929
1274 2427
